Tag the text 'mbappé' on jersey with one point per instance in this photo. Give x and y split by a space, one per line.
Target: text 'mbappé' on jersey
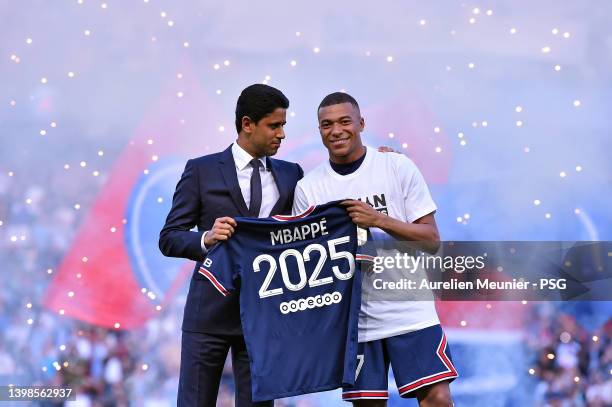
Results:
299 298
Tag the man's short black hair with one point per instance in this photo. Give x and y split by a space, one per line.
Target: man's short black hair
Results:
336 98
257 101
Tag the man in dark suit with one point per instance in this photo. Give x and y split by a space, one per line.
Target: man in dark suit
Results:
241 181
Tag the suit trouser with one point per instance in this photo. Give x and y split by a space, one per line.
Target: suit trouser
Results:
202 359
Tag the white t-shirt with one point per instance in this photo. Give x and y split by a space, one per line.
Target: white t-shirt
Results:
391 183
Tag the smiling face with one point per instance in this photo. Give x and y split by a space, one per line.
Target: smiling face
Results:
264 137
340 126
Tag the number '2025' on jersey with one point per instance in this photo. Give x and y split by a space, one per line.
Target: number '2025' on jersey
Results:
299 298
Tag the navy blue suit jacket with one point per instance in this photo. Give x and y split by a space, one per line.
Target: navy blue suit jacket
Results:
208 189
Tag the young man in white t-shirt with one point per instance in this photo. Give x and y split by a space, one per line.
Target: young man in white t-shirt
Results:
386 194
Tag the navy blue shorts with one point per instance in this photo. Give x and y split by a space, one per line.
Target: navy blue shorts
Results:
418 359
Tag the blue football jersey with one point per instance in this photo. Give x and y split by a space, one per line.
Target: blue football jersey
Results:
299 298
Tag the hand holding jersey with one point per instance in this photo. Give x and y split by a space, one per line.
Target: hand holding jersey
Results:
422 233
362 214
222 229
394 203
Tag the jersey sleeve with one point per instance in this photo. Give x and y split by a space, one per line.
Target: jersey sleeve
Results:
300 200
366 253
417 199
219 268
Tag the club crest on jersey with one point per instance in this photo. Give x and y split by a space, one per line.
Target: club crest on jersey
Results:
377 201
207 262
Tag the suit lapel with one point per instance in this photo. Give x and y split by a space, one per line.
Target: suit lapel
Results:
281 184
228 171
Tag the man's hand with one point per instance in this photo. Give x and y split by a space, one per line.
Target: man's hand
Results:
362 214
221 230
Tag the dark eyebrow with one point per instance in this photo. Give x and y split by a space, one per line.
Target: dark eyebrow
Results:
278 123
338 120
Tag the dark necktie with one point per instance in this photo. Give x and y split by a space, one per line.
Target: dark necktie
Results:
255 205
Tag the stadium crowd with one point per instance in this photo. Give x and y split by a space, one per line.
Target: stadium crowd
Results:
107 367
571 365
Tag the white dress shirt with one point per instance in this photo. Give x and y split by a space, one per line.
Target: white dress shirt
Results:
244 170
